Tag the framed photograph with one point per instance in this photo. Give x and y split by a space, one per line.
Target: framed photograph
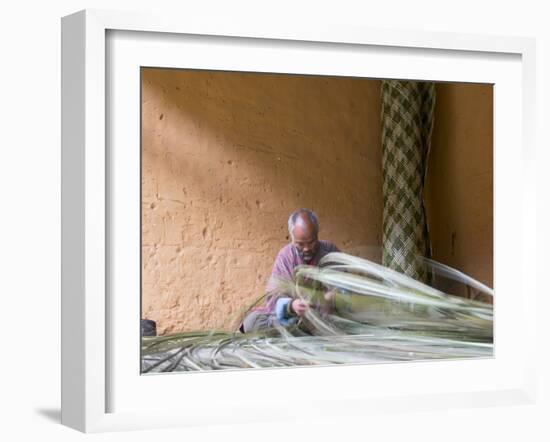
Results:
199 160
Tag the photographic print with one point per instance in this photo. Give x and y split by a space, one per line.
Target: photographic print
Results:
299 220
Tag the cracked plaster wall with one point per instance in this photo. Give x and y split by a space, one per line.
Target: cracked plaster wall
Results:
226 157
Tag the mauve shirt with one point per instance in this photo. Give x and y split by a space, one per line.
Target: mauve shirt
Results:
288 259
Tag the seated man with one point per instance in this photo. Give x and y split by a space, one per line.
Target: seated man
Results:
304 248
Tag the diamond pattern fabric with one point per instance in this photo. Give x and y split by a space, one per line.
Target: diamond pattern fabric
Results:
407 114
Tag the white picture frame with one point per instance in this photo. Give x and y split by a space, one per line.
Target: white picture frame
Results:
95 364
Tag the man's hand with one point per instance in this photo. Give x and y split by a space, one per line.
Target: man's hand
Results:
299 307
330 296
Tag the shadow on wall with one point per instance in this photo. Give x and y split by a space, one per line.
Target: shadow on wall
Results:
459 190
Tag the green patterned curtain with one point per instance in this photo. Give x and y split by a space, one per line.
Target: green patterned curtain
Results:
407 123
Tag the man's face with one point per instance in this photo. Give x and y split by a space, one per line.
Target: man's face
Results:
305 240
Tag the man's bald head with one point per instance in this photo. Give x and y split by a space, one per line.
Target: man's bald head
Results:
304 218
304 226
304 229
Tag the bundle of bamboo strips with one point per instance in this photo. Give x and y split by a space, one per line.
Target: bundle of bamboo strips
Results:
380 315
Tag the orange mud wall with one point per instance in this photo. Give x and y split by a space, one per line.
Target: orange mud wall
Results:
459 187
226 157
